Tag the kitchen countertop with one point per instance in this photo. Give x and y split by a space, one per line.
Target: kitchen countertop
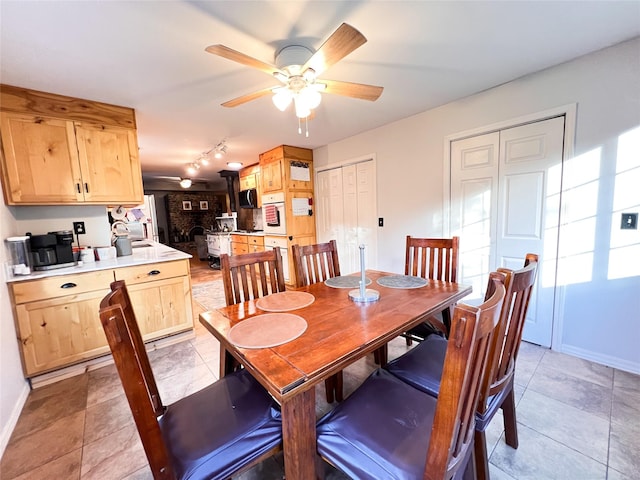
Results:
255 233
154 253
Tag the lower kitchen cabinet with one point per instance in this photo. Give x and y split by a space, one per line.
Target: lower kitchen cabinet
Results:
57 317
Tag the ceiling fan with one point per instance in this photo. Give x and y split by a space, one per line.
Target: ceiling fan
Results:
298 68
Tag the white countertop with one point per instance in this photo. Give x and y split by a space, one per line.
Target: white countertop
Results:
155 253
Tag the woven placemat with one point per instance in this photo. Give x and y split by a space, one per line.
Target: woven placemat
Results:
267 330
285 301
402 281
347 281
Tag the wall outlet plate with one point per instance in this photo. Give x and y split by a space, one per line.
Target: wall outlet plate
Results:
78 228
629 221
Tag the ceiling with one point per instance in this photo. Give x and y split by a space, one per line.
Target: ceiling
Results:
150 55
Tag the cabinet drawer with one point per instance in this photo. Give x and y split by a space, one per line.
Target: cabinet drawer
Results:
60 286
256 248
239 248
152 272
238 238
255 240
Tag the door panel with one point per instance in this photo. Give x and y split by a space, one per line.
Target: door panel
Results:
504 204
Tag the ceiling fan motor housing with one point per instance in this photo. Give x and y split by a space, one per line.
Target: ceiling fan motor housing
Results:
293 58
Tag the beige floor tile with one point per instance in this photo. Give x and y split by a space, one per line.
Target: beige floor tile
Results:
43 406
582 394
585 432
114 456
43 446
578 367
539 457
66 467
624 449
107 417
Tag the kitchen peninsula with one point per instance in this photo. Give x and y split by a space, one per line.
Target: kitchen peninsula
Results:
56 311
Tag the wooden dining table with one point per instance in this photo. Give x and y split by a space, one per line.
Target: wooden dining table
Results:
339 332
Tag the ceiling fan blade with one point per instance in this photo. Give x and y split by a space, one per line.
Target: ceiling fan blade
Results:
355 90
340 44
236 56
248 97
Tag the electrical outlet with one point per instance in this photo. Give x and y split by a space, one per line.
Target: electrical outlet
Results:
78 228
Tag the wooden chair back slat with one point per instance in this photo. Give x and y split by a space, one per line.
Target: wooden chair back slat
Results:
432 258
252 275
507 338
315 263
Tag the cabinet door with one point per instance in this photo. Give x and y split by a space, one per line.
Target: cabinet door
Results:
162 307
110 164
58 332
40 160
272 176
248 182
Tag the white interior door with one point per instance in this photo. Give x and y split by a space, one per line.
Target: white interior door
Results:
346 198
505 198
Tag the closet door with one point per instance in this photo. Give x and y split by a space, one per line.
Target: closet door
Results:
505 197
346 198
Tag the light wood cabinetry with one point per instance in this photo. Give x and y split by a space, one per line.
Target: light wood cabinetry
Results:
57 317
241 244
59 150
289 170
250 177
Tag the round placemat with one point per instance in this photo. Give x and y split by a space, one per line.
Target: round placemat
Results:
267 330
285 301
347 281
402 281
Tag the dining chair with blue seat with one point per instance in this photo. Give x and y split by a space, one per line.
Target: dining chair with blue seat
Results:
219 431
389 429
423 366
318 263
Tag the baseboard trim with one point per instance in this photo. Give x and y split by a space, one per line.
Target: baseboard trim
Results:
13 418
609 361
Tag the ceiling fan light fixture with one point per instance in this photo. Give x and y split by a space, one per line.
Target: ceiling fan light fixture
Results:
185 182
282 98
311 97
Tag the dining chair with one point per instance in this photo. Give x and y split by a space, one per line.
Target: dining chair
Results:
216 432
314 264
423 366
433 259
362 435
246 277
251 275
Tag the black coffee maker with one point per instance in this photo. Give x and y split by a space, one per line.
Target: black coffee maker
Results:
53 250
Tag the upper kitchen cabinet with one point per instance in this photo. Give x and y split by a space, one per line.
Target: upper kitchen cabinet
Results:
287 168
60 150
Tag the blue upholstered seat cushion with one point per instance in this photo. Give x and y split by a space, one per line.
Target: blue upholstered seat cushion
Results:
215 431
381 431
421 367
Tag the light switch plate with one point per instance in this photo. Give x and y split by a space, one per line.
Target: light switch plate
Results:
629 221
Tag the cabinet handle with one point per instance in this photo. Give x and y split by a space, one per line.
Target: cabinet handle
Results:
68 285
86 187
154 272
78 188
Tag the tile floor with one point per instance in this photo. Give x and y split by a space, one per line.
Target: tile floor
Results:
577 420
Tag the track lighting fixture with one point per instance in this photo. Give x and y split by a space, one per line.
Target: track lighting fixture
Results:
204 159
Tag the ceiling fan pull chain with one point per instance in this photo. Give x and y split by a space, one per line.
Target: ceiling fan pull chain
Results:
299 127
306 124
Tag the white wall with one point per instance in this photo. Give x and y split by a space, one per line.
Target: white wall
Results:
599 317
13 387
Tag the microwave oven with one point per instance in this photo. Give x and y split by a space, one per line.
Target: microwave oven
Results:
248 198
